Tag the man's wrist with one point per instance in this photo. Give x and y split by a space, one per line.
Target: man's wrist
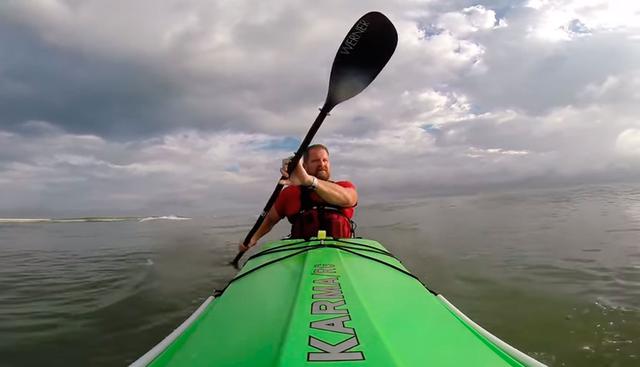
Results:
314 183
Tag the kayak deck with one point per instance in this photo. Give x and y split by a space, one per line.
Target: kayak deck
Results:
330 302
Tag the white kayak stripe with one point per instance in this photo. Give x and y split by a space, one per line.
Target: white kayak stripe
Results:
155 351
513 352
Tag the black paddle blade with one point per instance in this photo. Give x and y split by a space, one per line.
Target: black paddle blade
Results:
364 52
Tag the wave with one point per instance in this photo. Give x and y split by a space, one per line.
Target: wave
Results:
165 217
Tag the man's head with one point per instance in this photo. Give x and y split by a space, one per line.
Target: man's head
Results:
316 161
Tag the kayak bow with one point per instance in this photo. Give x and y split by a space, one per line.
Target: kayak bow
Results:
342 302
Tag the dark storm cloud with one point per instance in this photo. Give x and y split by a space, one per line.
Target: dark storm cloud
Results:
78 91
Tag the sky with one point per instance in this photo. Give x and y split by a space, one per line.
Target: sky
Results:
188 106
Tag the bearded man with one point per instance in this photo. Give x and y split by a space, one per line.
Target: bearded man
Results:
311 201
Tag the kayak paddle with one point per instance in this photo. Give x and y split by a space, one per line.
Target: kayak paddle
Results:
364 52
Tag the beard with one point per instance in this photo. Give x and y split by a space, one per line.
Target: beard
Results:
322 174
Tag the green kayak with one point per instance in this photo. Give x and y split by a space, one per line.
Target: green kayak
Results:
328 302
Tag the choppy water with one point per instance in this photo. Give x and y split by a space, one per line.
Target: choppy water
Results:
554 273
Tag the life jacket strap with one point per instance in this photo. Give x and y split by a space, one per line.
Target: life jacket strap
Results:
299 220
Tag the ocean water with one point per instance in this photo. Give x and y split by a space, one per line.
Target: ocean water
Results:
555 273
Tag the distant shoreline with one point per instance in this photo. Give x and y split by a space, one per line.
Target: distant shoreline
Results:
90 219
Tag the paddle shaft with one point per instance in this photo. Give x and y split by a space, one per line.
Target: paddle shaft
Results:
324 111
361 56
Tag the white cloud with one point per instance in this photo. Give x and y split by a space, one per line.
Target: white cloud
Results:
628 143
494 152
469 20
187 166
564 20
618 89
430 107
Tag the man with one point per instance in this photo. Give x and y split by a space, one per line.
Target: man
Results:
311 201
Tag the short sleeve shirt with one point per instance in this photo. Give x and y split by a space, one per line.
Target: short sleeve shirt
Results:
288 203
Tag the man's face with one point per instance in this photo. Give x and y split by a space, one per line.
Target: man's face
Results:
318 164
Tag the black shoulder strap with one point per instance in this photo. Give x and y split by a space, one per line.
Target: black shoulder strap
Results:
307 204
305 199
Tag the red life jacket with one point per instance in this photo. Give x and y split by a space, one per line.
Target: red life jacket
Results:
314 217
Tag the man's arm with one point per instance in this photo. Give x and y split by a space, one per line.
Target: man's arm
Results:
335 194
269 221
330 192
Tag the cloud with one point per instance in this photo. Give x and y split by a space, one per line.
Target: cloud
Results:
154 67
179 170
628 143
469 20
568 19
190 105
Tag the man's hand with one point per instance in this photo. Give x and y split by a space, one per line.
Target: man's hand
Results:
298 177
243 248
